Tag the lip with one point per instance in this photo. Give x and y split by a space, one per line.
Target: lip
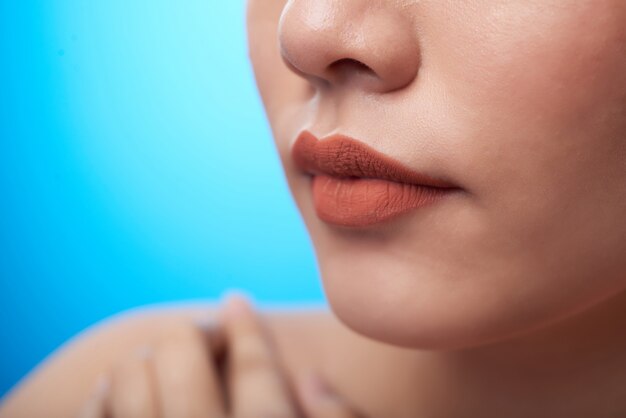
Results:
356 186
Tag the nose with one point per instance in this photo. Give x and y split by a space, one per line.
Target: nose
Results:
370 45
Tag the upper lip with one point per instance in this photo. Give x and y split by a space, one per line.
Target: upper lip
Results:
342 156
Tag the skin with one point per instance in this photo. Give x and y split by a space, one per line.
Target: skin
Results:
519 282
149 383
508 299
302 347
529 118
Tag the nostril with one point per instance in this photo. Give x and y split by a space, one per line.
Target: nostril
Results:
350 62
347 67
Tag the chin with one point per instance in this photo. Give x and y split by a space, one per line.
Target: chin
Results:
383 317
397 309
429 311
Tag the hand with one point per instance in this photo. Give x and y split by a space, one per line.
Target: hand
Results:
181 377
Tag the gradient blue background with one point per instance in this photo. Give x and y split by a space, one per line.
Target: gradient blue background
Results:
128 131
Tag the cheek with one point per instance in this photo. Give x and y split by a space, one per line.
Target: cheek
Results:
536 66
534 119
539 96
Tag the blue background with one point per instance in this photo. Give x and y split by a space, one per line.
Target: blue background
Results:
128 130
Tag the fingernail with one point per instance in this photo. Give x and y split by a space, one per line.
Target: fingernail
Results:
102 385
237 305
143 352
315 389
208 324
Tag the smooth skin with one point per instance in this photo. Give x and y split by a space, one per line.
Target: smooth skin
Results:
510 298
178 377
196 362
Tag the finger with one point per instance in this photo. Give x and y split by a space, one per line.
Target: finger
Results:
96 405
318 400
256 384
132 390
215 339
214 335
186 380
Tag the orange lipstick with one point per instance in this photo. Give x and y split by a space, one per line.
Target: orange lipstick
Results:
356 186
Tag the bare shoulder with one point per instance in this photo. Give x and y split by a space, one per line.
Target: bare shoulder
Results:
307 339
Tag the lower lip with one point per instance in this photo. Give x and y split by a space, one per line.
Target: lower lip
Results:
360 202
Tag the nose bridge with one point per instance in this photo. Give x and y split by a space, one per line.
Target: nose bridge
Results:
363 42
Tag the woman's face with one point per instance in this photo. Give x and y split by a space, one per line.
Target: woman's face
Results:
520 103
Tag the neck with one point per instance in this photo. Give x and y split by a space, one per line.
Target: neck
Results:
576 368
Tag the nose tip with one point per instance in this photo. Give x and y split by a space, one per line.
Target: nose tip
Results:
349 43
